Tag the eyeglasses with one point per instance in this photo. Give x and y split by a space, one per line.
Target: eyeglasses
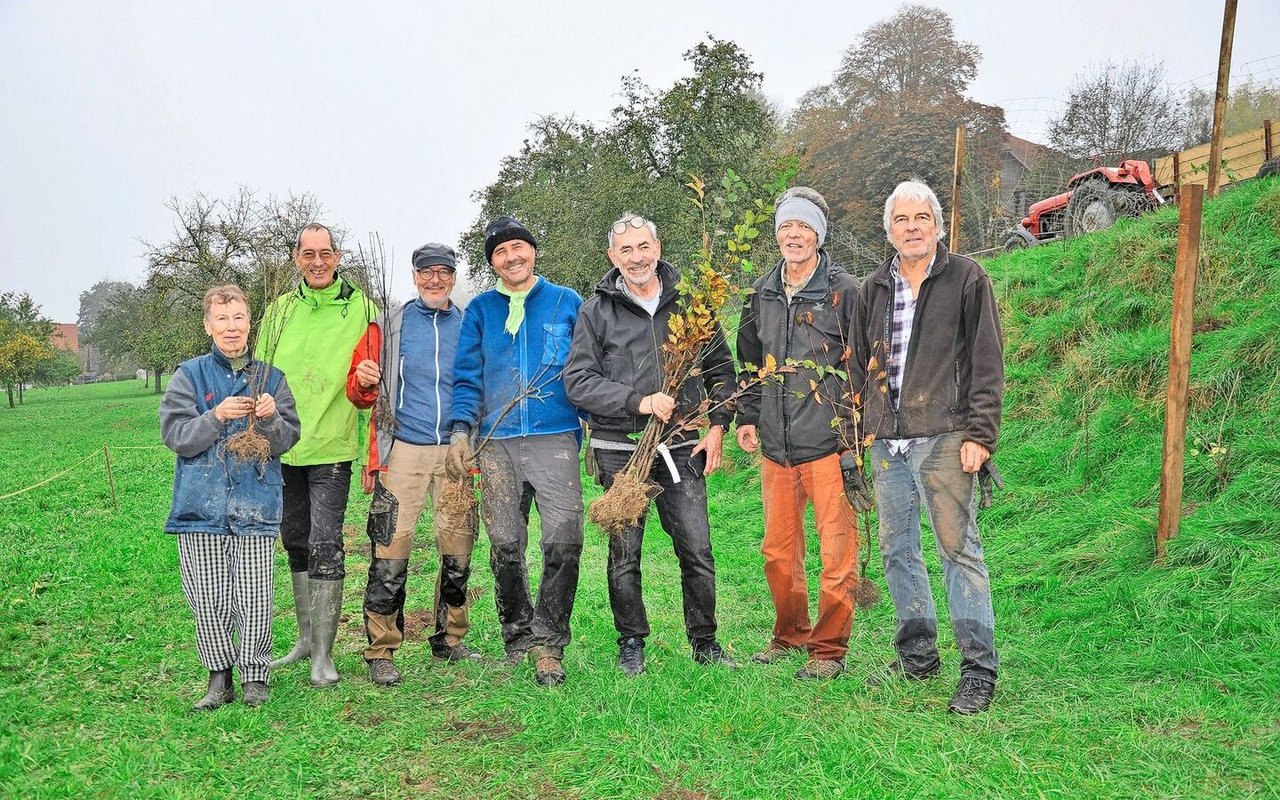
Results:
620 227
439 273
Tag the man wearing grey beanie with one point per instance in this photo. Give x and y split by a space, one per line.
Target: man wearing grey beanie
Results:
799 313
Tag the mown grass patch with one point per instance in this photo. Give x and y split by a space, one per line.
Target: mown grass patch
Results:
1119 679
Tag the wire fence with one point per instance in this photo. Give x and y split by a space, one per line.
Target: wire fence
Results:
1011 167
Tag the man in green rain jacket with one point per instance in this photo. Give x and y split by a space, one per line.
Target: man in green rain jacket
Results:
309 333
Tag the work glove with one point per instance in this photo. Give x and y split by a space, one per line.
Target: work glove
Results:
459 458
856 489
988 474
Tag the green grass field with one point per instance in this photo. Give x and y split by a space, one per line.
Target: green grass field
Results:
1119 679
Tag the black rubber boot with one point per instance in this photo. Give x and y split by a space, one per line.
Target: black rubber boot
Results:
220 691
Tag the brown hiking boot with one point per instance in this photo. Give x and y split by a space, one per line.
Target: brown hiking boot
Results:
458 652
972 696
820 669
774 652
548 669
383 673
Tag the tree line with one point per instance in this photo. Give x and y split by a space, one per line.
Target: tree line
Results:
889 112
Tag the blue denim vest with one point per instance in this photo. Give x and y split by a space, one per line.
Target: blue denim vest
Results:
215 492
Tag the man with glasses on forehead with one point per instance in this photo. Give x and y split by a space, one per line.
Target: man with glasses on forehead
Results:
615 374
308 333
407 450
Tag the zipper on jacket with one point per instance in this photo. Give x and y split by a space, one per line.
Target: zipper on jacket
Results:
435 330
786 423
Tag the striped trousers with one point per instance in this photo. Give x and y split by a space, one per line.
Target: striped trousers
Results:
230 586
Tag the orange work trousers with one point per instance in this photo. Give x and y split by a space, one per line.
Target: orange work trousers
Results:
787 491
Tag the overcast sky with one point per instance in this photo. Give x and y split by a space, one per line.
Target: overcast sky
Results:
394 113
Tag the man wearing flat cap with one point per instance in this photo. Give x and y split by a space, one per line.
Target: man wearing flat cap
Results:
799 314
512 419
408 353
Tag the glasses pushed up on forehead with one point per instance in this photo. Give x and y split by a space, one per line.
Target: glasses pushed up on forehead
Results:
620 227
438 273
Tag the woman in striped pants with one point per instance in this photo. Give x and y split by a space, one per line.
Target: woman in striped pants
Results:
226 511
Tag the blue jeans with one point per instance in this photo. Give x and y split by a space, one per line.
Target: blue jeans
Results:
929 475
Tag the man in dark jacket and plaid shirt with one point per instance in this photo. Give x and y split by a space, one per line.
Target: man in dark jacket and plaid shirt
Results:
927 321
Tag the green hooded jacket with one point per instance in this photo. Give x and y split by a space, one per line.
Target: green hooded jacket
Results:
313 332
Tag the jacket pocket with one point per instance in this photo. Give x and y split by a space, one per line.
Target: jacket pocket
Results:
256 502
556 337
955 387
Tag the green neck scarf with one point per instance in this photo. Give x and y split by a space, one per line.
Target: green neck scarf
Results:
515 313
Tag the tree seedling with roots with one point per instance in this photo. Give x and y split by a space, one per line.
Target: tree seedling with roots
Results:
249 444
378 286
704 292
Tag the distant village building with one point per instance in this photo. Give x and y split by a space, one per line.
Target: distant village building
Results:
1018 157
66 336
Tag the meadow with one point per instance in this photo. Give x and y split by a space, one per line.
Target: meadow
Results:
1119 678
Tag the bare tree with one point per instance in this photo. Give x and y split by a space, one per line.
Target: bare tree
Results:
1119 111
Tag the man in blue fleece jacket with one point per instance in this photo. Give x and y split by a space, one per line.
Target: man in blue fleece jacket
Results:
509 398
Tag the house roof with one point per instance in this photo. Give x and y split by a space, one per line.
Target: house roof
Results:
66 336
1027 153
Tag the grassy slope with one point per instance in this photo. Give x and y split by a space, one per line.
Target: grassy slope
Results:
1119 679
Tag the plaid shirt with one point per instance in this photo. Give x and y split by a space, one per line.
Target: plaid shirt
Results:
904 318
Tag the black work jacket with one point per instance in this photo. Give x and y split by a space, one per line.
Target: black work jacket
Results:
616 360
797 415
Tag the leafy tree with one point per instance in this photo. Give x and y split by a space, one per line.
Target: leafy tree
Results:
1248 106
890 113
1119 111
24 341
58 370
152 325
571 179
94 303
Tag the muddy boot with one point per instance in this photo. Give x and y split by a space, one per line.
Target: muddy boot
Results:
302 607
326 607
255 693
220 691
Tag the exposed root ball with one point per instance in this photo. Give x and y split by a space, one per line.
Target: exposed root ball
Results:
867 593
622 505
458 500
249 445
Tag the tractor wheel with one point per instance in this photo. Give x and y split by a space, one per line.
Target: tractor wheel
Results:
1090 209
1271 167
1018 240
1095 206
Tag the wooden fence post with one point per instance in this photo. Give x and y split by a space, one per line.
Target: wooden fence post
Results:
955 190
1175 416
1268 150
1220 96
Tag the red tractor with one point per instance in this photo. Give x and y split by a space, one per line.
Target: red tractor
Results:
1093 201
